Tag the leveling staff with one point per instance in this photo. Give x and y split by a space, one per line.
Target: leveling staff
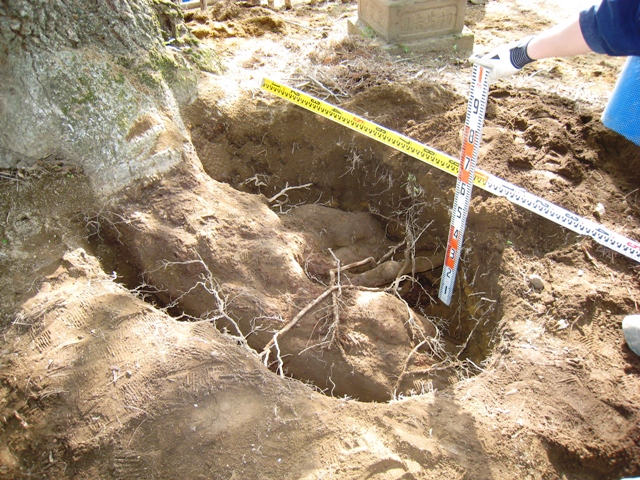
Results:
611 28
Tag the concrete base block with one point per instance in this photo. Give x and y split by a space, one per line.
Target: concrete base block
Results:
401 21
458 44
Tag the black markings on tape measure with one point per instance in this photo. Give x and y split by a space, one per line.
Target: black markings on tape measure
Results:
474 121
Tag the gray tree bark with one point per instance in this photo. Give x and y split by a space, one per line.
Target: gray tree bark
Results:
92 83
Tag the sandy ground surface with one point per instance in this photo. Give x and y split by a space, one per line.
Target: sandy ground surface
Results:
139 334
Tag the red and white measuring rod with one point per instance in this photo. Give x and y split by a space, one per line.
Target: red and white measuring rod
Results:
476 107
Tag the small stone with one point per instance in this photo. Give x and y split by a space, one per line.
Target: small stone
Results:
599 210
539 308
631 330
536 282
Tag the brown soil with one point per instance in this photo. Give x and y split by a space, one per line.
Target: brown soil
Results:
136 331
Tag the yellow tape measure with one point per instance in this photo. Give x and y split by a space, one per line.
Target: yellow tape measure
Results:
488 182
389 137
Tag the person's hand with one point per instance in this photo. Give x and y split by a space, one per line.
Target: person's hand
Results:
504 60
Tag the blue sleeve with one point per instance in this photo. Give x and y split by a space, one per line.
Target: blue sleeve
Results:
613 28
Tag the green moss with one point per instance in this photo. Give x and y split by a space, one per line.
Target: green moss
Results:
187 40
119 78
368 32
166 66
168 4
167 7
87 97
163 62
126 62
169 20
149 78
82 90
205 59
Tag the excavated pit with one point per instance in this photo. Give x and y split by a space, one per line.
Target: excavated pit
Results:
350 199
306 198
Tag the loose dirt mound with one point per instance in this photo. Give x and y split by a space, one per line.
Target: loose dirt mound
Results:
317 254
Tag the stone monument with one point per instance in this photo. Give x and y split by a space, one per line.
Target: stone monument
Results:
416 25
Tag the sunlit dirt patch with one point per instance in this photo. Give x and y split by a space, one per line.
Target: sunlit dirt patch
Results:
269 148
230 19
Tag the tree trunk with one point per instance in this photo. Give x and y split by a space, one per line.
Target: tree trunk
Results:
91 83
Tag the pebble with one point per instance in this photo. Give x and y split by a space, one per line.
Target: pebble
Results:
599 210
631 330
536 282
